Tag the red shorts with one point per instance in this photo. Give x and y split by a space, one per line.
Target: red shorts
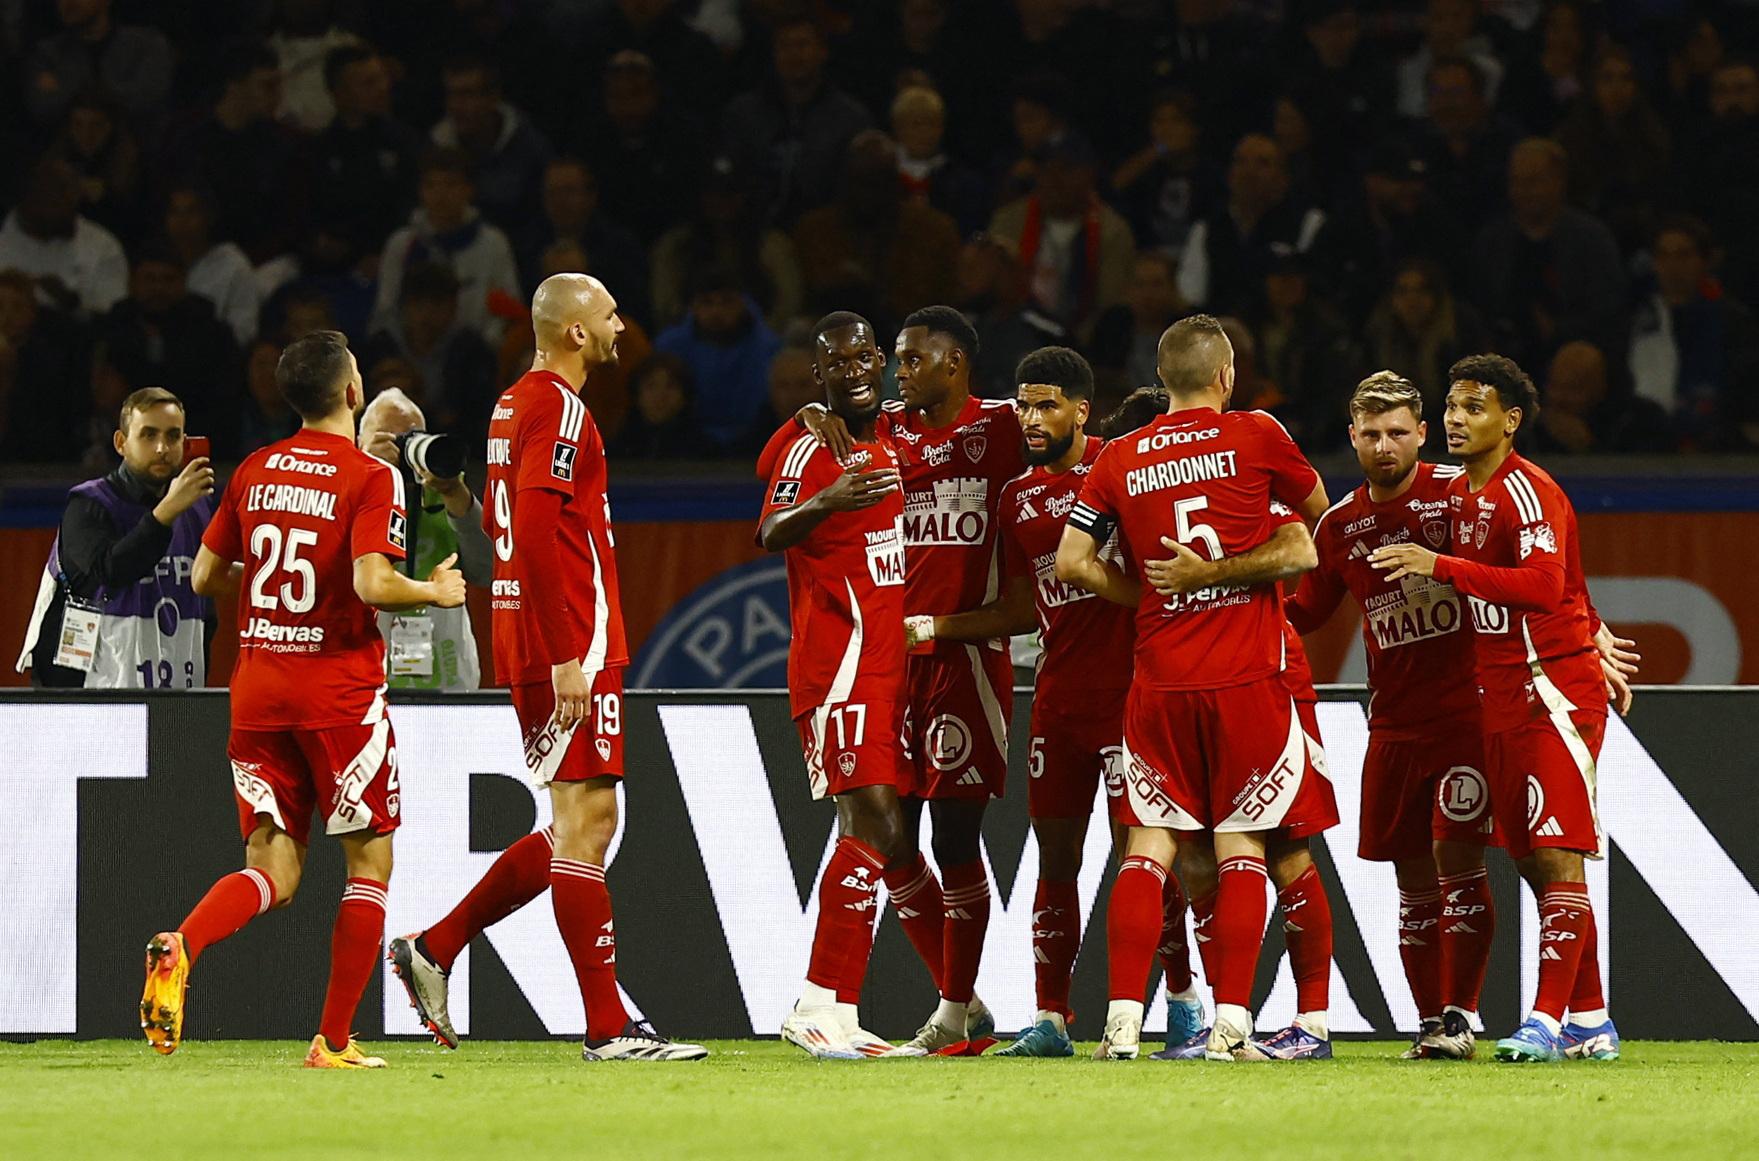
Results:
955 735
1073 748
1420 791
1542 779
1217 759
1315 810
348 771
852 745
592 749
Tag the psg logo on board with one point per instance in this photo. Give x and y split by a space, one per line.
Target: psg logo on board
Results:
975 446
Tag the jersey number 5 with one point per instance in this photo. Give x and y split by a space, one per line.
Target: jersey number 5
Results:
273 552
1191 534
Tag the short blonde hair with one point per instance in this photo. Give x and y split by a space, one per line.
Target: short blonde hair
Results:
1385 391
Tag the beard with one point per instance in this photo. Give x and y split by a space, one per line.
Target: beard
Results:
852 415
1053 450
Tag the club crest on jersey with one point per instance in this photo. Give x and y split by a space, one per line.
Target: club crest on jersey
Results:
1540 537
846 763
603 746
975 446
787 491
562 462
398 532
1436 532
1483 532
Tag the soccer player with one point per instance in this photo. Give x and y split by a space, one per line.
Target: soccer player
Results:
310 526
1425 804
840 527
955 452
558 632
1083 676
1307 922
1544 703
1212 739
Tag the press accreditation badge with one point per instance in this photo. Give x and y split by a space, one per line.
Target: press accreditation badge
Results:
79 637
412 647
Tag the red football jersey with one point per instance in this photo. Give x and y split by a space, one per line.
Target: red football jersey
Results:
1420 667
1207 479
542 436
1087 640
297 514
845 584
1518 560
953 479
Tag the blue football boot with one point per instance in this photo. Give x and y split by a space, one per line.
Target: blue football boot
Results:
1532 1043
1600 1042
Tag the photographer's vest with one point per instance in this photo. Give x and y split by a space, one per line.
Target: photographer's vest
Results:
150 633
428 647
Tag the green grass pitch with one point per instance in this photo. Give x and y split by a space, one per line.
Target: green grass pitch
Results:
235 1099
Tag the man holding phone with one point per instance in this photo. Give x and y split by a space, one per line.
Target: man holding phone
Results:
115 608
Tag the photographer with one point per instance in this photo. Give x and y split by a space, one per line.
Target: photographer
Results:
429 647
115 609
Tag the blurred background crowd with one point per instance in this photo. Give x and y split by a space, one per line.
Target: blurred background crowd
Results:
1352 186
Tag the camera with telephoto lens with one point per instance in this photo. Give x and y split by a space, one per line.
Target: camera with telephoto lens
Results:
440 456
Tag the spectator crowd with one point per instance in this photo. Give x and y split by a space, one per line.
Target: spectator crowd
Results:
1353 187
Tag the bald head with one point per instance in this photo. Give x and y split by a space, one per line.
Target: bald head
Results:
563 300
573 314
1195 356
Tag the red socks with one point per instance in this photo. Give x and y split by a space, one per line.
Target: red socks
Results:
354 952
1586 995
854 972
1203 931
1132 926
916 896
1420 947
1468 923
845 908
521 874
1174 952
1307 929
1566 926
229 904
1056 938
1240 912
965 903
583 915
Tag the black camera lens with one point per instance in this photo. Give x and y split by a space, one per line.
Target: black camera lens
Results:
441 456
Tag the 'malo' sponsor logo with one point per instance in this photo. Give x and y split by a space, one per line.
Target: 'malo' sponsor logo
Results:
885 556
954 511
1408 621
1488 618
